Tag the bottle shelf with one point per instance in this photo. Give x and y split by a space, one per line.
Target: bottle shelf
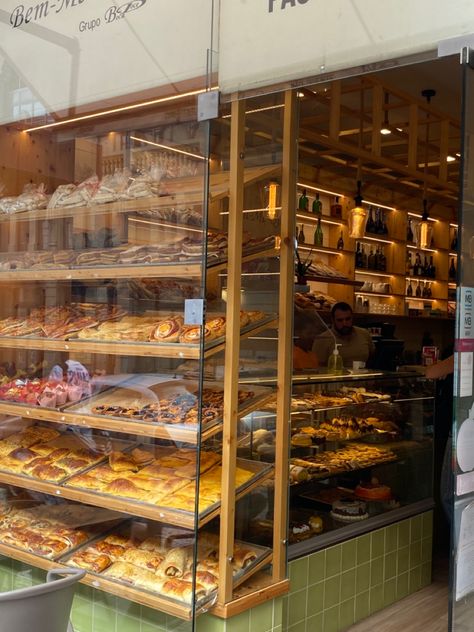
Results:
324 249
376 273
325 219
424 279
433 250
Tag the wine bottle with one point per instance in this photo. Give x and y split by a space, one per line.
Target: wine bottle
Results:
452 270
317 205
370 226
429 291
371 260
301 235
432 269
418 289
358 256
384 225
409 289
378 223
336 208
363 257
303 202
418 268
425 267
409 265
454 241
383 260
409 232
340 242
318 234
424 291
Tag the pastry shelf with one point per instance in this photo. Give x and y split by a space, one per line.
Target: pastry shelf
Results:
118 271
180 270
336 280
139 349
143 597
173 432
186 191
175 517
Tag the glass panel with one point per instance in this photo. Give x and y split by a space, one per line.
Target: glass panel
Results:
103 256
462 585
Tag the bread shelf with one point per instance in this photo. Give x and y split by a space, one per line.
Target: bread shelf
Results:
142 271
119 348
184 270
178 518
143 597
186 191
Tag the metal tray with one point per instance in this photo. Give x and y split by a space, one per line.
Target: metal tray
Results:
146 389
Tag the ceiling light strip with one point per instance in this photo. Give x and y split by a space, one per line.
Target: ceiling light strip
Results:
125 108
167 147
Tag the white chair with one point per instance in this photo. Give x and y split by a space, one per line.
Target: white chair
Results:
41 608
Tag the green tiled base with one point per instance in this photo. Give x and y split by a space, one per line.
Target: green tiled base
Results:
330 590
348 582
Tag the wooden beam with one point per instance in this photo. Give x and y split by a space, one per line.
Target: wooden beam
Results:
413 137
285 330
377 118
232 351
443 151
335 110
368 157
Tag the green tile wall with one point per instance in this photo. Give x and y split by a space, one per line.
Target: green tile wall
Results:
330 590
348 582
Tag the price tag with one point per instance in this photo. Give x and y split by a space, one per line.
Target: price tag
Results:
466 303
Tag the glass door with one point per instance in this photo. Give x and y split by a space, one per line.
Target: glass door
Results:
461 607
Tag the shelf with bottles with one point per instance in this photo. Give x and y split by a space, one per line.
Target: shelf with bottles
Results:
432 267
317 234
372 259
425 288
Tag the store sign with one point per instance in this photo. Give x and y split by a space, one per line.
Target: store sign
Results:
65 53
264 42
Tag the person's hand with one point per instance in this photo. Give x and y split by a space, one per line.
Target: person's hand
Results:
440 369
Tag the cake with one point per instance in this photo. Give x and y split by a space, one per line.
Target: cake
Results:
373 490
349 510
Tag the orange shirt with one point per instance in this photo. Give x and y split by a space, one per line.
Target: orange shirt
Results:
304 359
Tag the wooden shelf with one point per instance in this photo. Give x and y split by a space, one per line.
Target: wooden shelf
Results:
337 280
184 270
186 191
324 249
143 349
129 506
118 348
325 219
172 270
187 434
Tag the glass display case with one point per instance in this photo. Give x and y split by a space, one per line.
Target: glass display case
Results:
120 320
360 456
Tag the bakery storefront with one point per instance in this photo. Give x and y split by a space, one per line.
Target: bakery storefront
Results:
156 248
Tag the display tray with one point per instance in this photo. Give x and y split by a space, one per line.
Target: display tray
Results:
356 456
184 541
35 528
174 494
55 460
141 391
122 347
